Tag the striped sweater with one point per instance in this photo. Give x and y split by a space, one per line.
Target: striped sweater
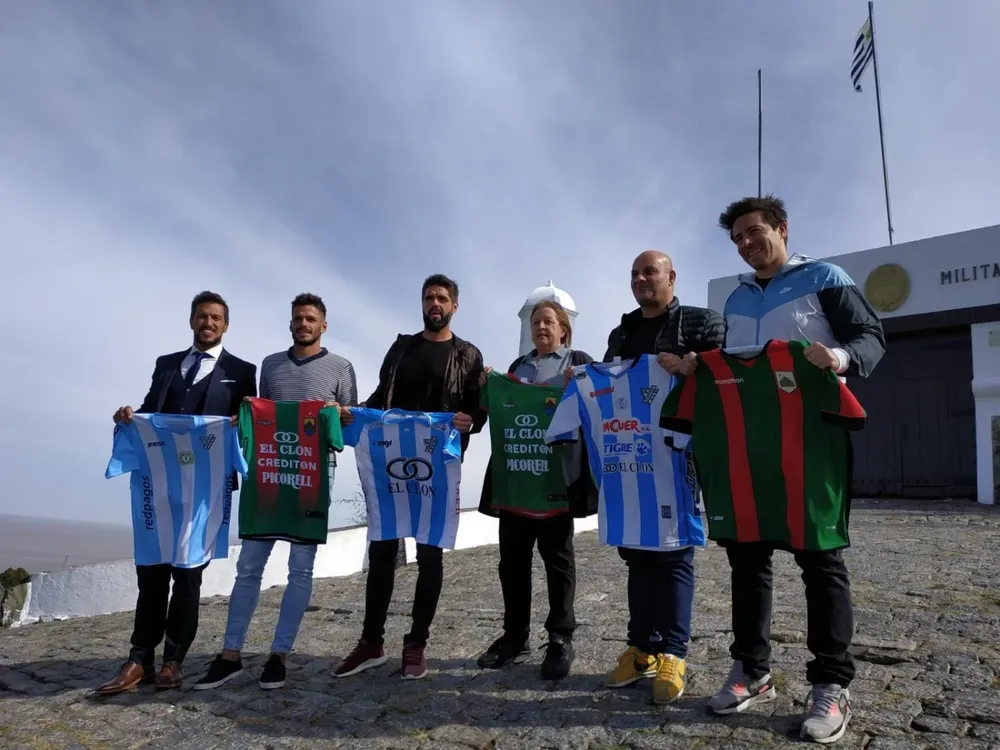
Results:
322 377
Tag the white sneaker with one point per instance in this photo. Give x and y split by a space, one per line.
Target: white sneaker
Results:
738 693
829 714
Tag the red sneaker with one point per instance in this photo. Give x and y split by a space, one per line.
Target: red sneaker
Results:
414 663
364 656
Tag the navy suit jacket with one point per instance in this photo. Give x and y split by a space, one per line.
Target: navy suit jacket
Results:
231 380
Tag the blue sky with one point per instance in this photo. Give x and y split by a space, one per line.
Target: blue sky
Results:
150 151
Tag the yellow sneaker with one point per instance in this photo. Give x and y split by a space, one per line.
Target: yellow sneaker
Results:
633 665
670 679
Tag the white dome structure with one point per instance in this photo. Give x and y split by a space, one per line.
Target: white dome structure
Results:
548 291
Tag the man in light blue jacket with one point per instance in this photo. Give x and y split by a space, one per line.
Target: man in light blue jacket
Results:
793 298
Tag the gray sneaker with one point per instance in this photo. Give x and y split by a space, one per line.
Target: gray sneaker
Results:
829 714
739 693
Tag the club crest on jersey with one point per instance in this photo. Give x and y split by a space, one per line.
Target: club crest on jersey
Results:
786 380
648 394
185 458
430 444
621 403
550 406
207 441
309 425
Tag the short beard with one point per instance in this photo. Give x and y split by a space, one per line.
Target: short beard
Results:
309 342
214 340
436 326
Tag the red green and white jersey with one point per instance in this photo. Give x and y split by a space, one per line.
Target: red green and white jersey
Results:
289 447
768 436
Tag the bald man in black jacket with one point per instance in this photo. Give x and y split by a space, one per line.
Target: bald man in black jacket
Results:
660 583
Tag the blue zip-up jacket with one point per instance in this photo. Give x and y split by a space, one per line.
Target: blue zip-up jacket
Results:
809 300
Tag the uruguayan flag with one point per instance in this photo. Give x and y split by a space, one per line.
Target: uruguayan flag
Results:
182 468
410 468
864 51
649 498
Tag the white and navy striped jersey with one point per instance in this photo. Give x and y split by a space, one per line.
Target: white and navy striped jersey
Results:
649 497
182 467
410 468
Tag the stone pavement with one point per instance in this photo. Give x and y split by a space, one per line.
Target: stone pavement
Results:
927 592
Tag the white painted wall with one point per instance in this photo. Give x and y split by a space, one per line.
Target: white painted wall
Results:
103 588
986 390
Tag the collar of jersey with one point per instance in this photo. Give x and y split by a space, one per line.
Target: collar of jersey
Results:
746 356
179 423
389 416
600 366
521 381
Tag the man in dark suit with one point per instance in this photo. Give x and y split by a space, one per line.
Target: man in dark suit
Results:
203 379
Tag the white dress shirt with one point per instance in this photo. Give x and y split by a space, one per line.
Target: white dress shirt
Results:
208 363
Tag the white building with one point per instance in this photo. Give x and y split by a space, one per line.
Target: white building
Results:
543 292
934 401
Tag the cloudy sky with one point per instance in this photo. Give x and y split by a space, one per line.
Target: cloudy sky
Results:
351 148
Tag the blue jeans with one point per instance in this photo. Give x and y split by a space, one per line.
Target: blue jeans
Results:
660 599
246 591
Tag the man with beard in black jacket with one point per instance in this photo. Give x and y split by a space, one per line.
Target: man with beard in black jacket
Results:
660 583
430 371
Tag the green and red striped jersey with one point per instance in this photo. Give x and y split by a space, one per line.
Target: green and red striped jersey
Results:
768 437
289 448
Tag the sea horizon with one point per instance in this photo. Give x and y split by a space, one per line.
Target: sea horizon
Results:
40 544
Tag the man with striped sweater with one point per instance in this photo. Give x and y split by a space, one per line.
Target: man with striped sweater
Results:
305 372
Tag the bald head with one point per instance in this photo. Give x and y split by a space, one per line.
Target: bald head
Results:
653 279
652 257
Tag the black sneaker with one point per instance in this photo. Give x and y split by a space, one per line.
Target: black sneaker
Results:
503 650
558 658
219 673
273 675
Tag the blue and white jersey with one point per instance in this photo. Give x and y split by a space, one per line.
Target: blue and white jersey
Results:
649 497
182 489
410 465
787 309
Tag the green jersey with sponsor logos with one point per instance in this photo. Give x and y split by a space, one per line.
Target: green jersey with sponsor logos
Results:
289 446
526 474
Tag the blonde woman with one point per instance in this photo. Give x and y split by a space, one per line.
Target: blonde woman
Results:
522 523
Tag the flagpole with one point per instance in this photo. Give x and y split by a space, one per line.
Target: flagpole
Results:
760 131
878 104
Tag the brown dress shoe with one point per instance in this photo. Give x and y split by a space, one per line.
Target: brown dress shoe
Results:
128 677
169 677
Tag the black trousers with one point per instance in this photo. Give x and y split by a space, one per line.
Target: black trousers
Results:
554 536
160 612
382 579
830 613
660 599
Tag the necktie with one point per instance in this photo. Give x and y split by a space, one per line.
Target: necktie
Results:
193 370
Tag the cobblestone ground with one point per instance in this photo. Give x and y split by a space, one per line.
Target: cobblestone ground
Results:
928 622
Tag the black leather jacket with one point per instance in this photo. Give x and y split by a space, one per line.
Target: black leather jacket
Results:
687 329
461 381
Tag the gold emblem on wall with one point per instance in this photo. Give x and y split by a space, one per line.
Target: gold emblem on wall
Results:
887 287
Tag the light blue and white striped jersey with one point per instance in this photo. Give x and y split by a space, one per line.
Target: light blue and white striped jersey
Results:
182 489
410 468
649 496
